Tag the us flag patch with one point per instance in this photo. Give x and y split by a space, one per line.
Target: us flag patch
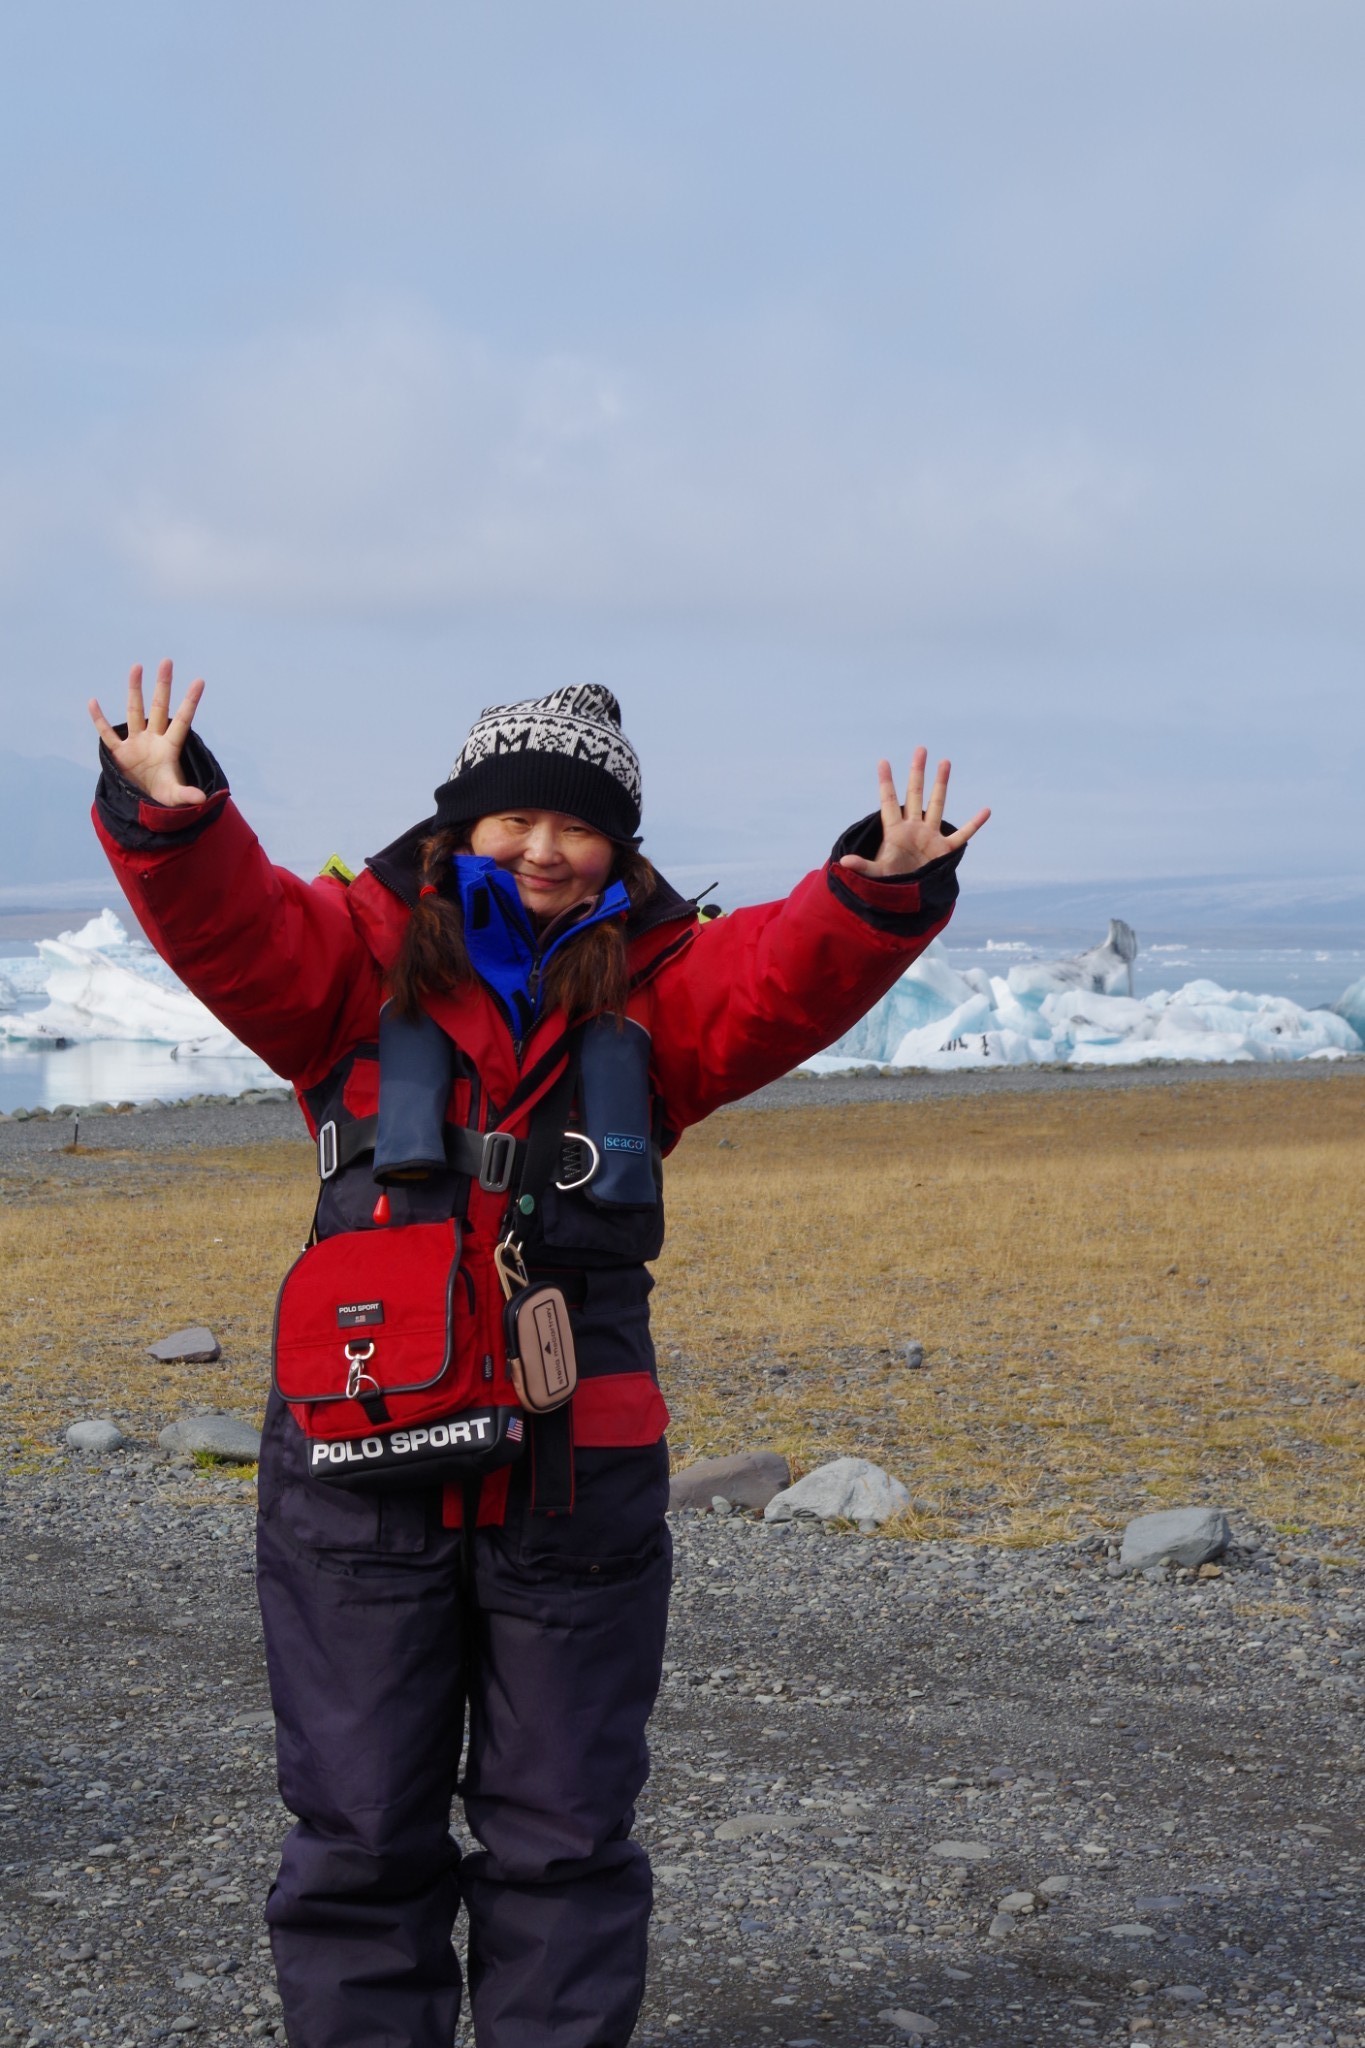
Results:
514 1429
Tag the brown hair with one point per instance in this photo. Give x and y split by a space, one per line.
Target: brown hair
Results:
587 976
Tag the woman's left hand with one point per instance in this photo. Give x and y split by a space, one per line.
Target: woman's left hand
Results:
912 834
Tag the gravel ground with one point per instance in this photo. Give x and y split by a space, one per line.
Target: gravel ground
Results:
861 1749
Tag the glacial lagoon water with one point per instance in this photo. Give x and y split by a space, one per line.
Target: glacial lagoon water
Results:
94 1016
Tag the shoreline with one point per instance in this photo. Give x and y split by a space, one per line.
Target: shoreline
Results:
265 1116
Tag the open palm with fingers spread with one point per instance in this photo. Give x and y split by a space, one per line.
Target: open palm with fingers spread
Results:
912 834
150 756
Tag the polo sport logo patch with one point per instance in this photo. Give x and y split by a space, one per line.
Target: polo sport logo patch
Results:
355 1315
625 1141
467 1432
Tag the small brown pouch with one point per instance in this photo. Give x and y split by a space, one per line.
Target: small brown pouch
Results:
540 1353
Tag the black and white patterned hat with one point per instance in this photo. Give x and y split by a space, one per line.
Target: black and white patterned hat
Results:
564 752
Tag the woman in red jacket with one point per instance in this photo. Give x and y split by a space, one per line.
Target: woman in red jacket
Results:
522 920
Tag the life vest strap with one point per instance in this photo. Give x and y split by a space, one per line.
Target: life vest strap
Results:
489 1157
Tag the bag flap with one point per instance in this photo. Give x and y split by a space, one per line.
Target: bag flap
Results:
368 1309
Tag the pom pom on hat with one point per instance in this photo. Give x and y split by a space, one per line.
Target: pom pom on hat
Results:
565 752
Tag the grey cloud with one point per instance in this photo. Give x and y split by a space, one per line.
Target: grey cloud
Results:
390 463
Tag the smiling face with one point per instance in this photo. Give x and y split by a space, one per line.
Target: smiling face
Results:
556 861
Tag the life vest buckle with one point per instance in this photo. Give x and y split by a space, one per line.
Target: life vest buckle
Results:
497 1161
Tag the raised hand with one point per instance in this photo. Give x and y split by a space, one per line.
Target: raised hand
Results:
913 835
150 756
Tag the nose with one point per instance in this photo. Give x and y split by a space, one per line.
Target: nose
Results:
542 846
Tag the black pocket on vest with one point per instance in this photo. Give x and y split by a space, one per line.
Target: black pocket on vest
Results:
598 1236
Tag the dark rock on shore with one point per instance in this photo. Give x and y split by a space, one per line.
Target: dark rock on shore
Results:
747 1480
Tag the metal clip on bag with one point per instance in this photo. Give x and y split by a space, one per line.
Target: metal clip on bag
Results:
375 1354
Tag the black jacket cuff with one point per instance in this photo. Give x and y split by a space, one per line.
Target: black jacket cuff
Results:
130 818
912 903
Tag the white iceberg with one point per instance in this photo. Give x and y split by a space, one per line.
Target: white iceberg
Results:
1072 1012
100 984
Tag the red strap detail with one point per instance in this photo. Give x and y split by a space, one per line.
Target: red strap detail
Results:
614 1411
617 1410
897 893
177 817
492 1501
360 1096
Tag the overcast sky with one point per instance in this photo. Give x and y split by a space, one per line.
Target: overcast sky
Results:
822 377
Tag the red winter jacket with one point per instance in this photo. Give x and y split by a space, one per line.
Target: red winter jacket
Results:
297 971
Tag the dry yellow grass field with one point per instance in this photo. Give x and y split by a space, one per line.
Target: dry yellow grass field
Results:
1127 1298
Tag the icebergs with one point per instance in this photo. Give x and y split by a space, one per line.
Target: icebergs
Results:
1351 1006
101 984
1070 1011
1106 969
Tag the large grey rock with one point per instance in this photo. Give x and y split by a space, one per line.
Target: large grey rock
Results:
96 1435
222 1436
748 1480
758 1824
962 1852
187 1347
915 2024
1189 1536
847 1489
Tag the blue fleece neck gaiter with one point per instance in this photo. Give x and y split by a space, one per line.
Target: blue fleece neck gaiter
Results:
501 939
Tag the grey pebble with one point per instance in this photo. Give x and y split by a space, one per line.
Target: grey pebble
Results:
222 1436
196 1346
747 1480
851 1489
97 1435
1180 1536
915 2024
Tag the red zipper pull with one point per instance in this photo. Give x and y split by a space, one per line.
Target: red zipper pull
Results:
381 1207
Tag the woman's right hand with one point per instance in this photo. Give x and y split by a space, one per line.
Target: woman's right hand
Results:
150 756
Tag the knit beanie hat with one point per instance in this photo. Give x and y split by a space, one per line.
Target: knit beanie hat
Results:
564 752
